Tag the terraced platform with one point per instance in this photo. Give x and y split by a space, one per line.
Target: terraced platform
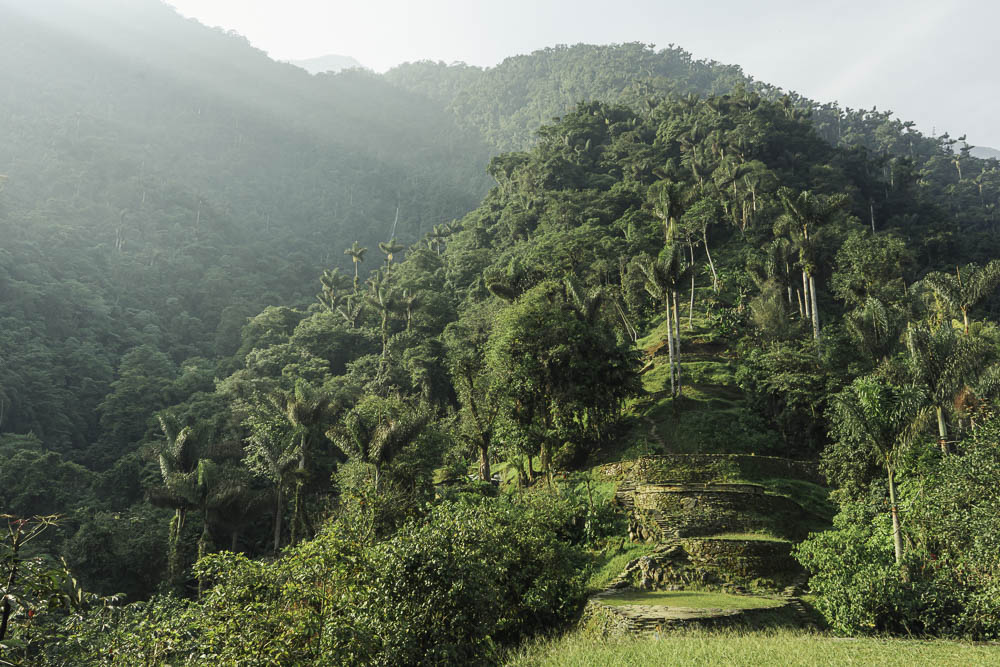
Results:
719 527
615 611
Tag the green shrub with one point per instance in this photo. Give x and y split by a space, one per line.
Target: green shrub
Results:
472 575
949 584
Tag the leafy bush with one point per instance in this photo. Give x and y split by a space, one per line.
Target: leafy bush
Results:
472 575
949 584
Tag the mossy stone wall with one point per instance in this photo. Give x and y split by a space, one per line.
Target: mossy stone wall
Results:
702 468
696 511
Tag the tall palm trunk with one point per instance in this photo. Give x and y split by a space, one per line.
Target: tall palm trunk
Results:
897 538
297 510
279 510
203 546
485 474
691 306
174 557
711 264
815 309
670 345
942 430
295 513
805 293
677 342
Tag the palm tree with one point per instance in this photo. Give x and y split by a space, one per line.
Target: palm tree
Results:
376 441
193 480
779 267
587 305
218 487
669 201
438 235
943 364
805 214
663 276
333 282
306 410
962 292
383 297
411 301
274 455
178 457
389 249
357 254
696 221
886 419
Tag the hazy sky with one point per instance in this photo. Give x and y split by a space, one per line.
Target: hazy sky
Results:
931 61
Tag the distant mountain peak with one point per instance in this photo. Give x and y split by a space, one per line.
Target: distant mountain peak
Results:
328 63
984 152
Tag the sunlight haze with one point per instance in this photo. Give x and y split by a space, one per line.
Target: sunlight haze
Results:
891 58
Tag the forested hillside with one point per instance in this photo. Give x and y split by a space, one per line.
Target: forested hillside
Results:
162 181
291 374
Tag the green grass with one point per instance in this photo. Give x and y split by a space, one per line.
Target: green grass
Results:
812 497
773 647
707 417
759 537
689 599
608 565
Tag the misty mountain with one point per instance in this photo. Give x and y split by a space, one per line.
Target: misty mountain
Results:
329 63
985 153
163 180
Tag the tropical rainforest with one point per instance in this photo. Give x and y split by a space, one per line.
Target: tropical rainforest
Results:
304 369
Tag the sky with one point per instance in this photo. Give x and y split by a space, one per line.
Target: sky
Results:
933 62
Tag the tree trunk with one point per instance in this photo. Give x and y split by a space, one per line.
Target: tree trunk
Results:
677 343
711 264
897 538
203 547
279 510
942 430
670 346
802 311
815 310
7 606
295 513
691 306
805 293
629 329
484 461
965 318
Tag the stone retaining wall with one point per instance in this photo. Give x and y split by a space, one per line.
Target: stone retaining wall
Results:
669 511
609 621
695 468
728 565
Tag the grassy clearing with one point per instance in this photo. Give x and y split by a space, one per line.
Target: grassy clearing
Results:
689 599
773 647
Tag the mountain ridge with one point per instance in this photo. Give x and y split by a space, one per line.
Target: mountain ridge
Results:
333 63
